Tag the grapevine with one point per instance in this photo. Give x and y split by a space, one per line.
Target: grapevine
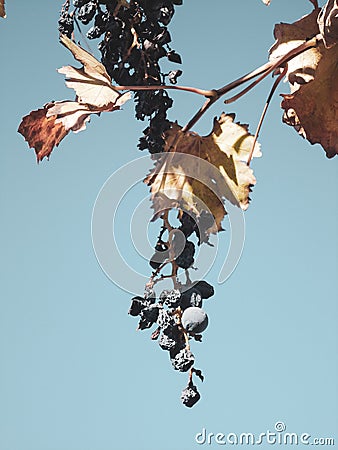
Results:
134 39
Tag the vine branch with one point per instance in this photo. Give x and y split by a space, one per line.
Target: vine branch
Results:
265 70
205 93
212 95
268 100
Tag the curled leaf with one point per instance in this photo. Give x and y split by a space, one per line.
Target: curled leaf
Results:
197 173
311 107
44 128
41 132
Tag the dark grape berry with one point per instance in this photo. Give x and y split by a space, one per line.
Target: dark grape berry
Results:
167 342
137 304
94 32
166 14
150 313
173 339
182 360
164 319
87 12
188 224
173 75
190 395
186 258
174 57
204 288
171 298
144 324
191 297
195 299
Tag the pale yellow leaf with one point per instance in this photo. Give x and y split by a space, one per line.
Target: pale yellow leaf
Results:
91 83
200 172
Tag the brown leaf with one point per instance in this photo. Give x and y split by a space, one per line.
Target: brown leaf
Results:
53 123
266 2
328 23
41 132
45 128
201 171
2 9
311 107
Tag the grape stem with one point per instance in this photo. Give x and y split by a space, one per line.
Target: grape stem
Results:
212 95
165 219
155 273
268 100
187 277
263 70
178 313
83 36
205 93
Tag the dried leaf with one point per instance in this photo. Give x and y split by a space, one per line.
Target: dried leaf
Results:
91 83
203 171
72 115
2 9
45 128
312 106
328 23
266 2
302 68
313 109
42 133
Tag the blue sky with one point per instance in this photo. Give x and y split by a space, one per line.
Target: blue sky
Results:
75 375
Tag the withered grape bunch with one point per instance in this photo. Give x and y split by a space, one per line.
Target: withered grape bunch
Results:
134 38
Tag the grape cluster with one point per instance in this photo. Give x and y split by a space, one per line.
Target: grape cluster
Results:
178 317
134 37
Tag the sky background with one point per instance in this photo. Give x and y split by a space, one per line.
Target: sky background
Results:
75 375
